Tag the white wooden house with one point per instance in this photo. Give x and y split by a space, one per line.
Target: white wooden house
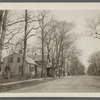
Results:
13 65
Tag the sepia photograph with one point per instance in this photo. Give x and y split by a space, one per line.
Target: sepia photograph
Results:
49 48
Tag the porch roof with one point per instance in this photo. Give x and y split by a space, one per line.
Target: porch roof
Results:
30 61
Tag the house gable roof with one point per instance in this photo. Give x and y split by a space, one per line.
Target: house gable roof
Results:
28 59
37 57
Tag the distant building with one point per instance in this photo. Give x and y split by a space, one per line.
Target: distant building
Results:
13 64
38 60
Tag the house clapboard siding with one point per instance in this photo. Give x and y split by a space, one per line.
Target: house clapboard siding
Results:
13 63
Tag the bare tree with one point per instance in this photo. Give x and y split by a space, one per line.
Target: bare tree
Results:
14 26
49 43
76 66
93 27
3 20
29 26
93 30
94 64
63 38
43 23
57 41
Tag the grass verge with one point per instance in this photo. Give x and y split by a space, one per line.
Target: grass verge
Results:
6 88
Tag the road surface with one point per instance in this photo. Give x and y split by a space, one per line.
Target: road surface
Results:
67 84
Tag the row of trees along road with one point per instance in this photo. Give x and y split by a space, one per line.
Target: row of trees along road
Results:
76 66
93 30
55 38
94 64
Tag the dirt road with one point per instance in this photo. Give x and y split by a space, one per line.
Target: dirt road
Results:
67 84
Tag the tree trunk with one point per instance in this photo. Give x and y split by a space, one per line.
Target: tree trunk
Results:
25 44
53 69
3 19
44 69
42 73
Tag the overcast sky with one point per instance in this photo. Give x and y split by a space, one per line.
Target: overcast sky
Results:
88 45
